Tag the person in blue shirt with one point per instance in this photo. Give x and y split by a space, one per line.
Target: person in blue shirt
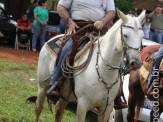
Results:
30 13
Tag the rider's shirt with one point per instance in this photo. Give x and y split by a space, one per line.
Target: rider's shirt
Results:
88 10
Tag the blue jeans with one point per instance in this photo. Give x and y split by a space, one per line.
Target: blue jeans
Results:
62 26
156 36
39 31
155 66
57 68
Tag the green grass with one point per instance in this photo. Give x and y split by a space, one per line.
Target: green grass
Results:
16 87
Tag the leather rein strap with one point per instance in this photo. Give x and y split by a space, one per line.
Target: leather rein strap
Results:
124 42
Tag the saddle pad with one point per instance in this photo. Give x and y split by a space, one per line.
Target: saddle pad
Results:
145 68
143 71
53 47
147 50
55 43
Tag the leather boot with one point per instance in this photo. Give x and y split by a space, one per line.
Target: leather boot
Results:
53 92
118 103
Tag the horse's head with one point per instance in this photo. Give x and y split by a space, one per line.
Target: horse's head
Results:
131 39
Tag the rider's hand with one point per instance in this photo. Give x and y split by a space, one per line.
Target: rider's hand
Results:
71 26
98 25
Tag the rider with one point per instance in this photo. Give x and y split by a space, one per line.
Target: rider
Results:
100 12
155 65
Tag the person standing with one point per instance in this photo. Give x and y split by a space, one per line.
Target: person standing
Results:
156 31
30 13
41 18
146 28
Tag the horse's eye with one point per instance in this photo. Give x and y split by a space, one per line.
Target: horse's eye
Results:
125 36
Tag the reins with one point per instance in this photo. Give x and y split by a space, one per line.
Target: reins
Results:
68 70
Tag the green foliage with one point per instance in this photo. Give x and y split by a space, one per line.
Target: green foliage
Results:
123 5
16 87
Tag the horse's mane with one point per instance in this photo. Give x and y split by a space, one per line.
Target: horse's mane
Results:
114 28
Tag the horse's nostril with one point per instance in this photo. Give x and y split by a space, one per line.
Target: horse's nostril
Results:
132 63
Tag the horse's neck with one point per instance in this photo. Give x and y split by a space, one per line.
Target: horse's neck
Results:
108 46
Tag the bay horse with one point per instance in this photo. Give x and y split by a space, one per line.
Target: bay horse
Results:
138 90
97 86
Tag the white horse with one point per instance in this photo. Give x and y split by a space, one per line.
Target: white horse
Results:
97 86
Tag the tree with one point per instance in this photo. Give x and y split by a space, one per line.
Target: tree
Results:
123 5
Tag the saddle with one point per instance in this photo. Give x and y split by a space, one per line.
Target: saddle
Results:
147 56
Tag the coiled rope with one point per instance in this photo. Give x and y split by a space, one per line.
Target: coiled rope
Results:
68 70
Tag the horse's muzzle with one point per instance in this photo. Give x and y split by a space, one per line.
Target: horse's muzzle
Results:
135 64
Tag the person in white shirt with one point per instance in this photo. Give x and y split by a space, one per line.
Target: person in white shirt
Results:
146 28
99 12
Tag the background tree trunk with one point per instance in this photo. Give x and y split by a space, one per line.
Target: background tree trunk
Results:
16 7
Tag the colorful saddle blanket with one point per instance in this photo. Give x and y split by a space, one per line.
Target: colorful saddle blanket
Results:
146 55
145 68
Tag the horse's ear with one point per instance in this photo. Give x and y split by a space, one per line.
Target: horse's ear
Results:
141 17
121 14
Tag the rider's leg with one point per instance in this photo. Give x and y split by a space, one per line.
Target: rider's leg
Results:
57 68
155 65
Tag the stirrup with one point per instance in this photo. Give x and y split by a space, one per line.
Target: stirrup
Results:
52 88
53 96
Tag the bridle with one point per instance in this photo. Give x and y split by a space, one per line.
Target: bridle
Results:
110 67
127 46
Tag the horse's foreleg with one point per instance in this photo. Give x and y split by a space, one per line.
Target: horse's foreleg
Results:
137 113
131 108
106 115
82 105
39 102
59 109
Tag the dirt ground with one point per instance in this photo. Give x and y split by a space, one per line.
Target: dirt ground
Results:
18 56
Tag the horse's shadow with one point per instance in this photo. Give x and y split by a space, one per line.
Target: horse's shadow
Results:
91 116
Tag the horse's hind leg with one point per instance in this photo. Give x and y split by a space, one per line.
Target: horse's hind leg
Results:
40 101
59 109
